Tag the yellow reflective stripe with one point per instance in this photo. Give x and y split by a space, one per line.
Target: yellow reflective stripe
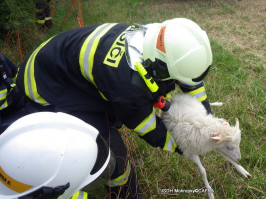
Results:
4 105
85 195
47 18
121 180
147 125
94 48
199 93
151 84
88 49
3 94
14 79
80 195
86 57
40 21
170 144
29 79
75 196
103 96
168 96
117 50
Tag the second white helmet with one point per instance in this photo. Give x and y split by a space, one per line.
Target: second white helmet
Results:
50 152
180 50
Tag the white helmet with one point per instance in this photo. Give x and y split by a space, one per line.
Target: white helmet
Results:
178 49
51 153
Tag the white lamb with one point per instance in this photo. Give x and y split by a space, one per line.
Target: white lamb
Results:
197 133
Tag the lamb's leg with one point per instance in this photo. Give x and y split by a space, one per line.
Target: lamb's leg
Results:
238 167
196 159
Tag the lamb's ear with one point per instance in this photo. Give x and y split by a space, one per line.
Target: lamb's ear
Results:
224 121
237 123
227 138
216 137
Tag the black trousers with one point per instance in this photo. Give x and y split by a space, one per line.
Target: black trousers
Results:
107 126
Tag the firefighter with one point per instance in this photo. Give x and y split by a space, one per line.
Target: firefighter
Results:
52 155
111 75
11 100
43 14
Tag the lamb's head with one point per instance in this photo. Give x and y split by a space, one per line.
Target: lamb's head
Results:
228 144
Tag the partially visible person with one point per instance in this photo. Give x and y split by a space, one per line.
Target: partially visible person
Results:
43 15
49 155
11 100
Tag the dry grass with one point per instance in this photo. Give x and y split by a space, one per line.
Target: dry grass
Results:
244 30
237 25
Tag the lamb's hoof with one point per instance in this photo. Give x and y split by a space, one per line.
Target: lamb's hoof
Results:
248 176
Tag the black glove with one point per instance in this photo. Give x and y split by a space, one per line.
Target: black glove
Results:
47 192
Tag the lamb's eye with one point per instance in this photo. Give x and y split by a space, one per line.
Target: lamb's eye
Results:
229 148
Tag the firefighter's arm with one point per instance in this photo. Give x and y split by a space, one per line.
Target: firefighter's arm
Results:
10 68
144 122
153 131
199 92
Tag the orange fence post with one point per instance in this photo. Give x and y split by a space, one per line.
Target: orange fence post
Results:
80 17
19 45
53 8
72 2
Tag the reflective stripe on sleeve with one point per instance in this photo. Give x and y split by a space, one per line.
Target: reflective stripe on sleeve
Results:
4 105
121 180
147 125
170 144
14 79
29 79
199 93
88 49
80 195
3 94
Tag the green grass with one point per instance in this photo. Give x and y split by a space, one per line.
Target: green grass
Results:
237 78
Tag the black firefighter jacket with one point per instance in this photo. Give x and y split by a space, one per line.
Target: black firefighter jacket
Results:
86 69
